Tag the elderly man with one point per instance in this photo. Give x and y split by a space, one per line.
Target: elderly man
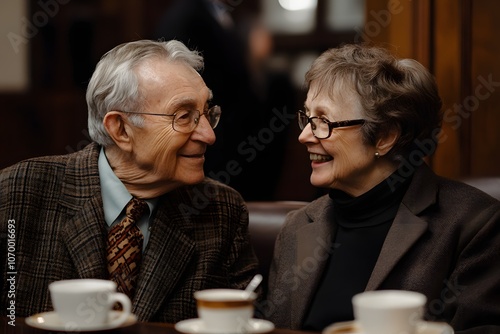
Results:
134 206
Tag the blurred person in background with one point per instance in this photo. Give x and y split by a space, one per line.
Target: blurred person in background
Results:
258 102
388 221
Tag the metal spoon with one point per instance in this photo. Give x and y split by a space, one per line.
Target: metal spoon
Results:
254 283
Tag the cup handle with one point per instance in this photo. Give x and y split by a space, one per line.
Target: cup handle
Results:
126 306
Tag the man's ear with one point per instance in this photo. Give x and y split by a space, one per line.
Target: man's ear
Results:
118 129
387 142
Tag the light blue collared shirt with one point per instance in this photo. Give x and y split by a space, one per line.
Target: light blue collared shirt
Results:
115 197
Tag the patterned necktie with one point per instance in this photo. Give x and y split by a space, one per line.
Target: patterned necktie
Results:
125 248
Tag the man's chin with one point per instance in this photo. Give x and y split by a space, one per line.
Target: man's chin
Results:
194 178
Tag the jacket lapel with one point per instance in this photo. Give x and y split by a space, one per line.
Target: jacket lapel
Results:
405 231
85 235
167 255
84 231
407 227
314 245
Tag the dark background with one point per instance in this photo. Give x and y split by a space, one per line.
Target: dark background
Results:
455 39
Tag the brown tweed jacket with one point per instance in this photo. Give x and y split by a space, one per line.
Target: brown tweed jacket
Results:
199 237
444 242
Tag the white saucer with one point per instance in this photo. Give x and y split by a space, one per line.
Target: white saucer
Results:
425 327
50 321
195 326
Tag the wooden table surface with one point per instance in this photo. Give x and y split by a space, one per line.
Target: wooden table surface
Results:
139 328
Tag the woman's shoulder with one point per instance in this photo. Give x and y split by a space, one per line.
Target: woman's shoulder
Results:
458 191
429 190
458 204
479 186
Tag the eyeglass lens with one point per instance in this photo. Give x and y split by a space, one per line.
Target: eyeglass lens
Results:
213 116
186 120
318 126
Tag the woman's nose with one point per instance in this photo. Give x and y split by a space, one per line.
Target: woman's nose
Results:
306 135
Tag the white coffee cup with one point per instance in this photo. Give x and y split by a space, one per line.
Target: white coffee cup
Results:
225 310
389 311
87 303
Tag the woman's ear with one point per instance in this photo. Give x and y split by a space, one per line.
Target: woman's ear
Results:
387 142
118 129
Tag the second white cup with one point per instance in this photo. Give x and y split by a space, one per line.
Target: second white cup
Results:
87 303
389 311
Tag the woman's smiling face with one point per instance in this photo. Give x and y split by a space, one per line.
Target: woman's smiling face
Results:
343 160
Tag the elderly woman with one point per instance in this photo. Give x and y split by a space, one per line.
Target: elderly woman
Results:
388 222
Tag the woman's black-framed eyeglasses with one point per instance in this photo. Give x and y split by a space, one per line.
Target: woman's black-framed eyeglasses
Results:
185 121
321 127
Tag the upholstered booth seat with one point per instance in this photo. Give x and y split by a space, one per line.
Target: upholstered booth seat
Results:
266 219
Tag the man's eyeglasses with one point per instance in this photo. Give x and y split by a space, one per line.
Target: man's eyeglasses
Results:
321 127
185 121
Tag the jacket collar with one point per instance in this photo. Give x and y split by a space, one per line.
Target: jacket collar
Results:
84 231
407 227
314 245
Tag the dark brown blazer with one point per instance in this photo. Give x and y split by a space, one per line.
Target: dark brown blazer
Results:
199 237
444 243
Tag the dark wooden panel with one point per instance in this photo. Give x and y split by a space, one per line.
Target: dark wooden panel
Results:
483 101
447 69
465 84
423 38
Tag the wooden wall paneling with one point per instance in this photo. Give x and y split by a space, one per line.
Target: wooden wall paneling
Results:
410 32
373 31
484 99
401 23
423 25
447 69
465 85
389 23
407 31
457 42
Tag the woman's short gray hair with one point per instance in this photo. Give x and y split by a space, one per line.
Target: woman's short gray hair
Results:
114 84
394 94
